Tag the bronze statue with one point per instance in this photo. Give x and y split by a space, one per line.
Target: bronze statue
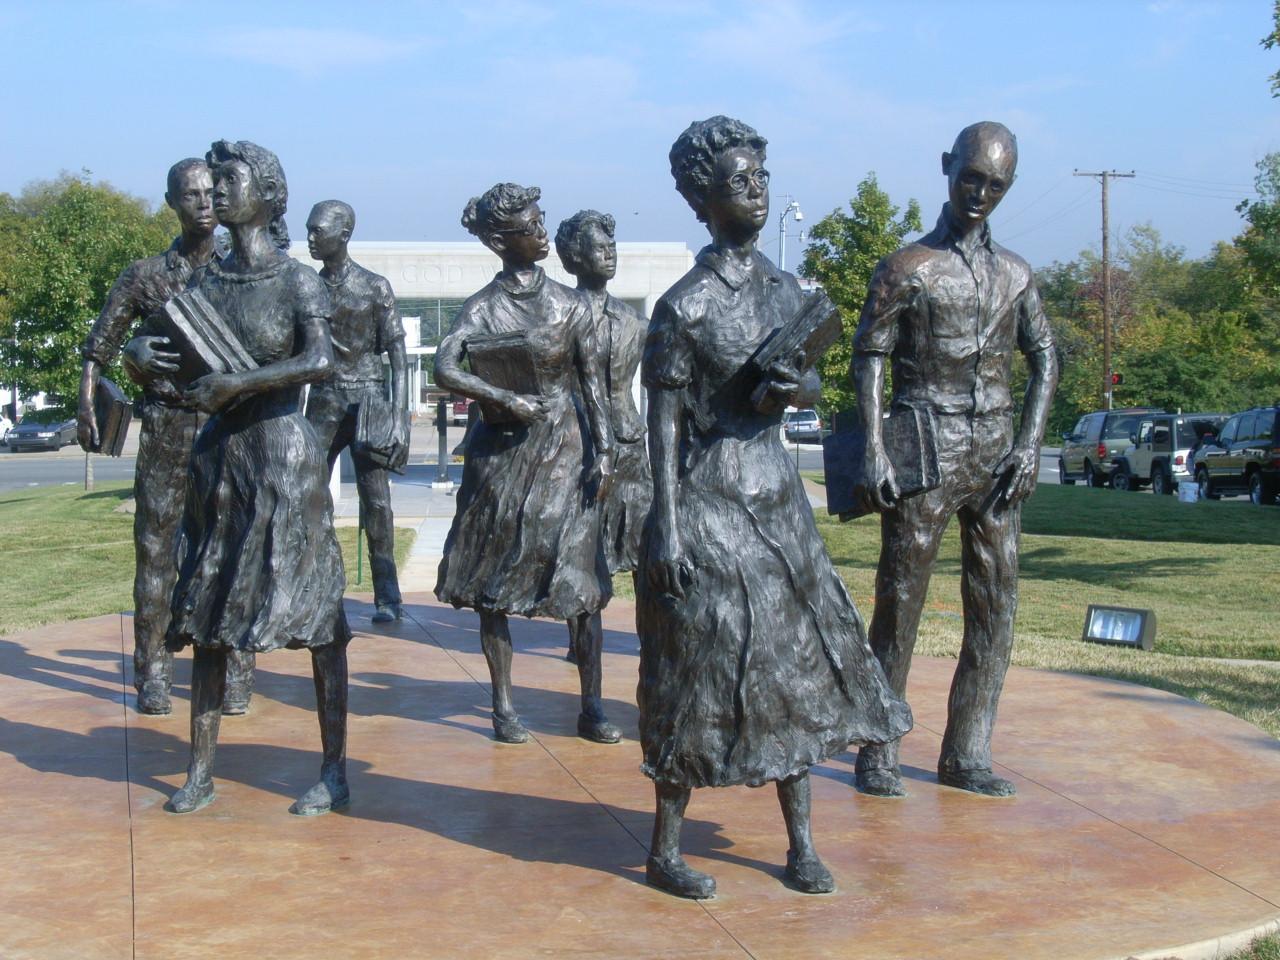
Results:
585 244
169 426
754 664
364 325
525 538
947 312
262 568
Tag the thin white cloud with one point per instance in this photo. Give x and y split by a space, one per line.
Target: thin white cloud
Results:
311 51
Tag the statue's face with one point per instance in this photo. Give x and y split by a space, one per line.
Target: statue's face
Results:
737 203
326 232
236 197
978 178
597 252
193 202
525 238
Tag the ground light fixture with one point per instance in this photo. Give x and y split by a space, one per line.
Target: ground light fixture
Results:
1122 626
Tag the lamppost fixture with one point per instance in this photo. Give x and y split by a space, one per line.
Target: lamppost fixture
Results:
793 208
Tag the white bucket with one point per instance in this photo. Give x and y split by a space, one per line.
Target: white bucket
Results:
1188 491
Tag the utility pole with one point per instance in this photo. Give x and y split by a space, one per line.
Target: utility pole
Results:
1105 176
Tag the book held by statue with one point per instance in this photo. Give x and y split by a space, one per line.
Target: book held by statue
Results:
910 446
113 412
203 338
504 360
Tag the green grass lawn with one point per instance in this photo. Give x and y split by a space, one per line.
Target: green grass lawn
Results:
1264 948
70 554
1210 571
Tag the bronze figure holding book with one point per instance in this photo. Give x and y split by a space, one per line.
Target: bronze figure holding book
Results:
947 312
262 569
169 423
351 407
754 664
525 538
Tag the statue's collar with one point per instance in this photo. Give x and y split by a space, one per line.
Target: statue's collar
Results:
513 287
734 271
946 228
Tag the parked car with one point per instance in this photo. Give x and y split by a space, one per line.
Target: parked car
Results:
802 426
1161 454
41 430
461 410
1093 444
1243 458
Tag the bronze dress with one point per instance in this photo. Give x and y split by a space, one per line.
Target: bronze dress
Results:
262 568
764 668
525 537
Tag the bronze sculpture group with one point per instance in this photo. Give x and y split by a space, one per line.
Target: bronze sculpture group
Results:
754 662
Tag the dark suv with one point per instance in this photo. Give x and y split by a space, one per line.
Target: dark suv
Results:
1089 450
1243 458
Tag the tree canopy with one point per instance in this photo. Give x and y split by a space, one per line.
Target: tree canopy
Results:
1187 334
63 242
843 251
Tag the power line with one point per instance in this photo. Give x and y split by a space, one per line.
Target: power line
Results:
1234 197
1193 181
1023 209
1074 204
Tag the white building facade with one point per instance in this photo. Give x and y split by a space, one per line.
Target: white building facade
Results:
431 281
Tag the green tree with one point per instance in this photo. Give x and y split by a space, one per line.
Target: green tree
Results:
1272 39
843 251
65 241
1261 238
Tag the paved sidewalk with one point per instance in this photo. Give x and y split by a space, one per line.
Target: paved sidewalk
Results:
1122 841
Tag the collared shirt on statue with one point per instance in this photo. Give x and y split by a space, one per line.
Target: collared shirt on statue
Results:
948 311
364 323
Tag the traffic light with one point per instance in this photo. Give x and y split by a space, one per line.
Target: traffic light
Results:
1117 379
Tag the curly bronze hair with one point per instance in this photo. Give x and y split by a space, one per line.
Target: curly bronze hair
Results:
693 155
264 165
497 208
569 236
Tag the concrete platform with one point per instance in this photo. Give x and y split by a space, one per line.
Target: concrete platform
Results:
1145 824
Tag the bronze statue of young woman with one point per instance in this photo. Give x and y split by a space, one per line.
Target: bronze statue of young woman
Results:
262 568
754 663
525 538
585 244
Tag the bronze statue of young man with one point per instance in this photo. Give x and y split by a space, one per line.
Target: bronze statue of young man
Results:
365 325
169 426
947 312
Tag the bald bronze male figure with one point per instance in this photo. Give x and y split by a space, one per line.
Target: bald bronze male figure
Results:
364 325
947 312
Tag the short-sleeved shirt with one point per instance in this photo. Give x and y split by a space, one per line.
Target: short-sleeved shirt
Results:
364 323
139 294
948 311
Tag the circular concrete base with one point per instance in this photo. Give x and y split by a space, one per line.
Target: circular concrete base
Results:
1143 821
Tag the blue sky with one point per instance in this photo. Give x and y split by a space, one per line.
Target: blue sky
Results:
407 109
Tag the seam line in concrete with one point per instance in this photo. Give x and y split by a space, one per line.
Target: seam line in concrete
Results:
128 799
1138 833
581 786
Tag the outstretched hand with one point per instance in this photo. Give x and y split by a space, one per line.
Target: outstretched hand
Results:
1018 471
213 392
879 491
669 572
527 409
87 428
780 384
600 473
145 359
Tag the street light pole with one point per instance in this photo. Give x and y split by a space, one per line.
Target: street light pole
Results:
792 205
